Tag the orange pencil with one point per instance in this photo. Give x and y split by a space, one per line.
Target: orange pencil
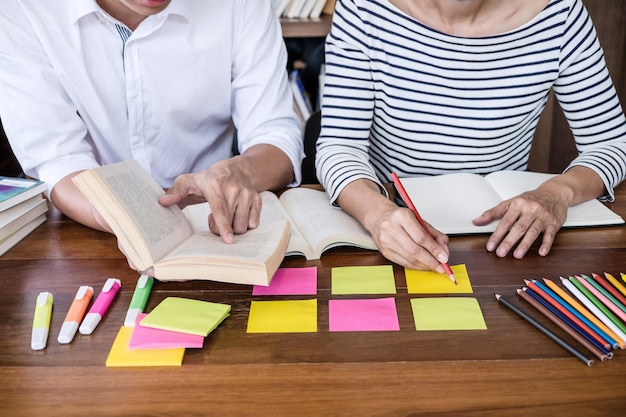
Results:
410 205
584 311
533 285
590 347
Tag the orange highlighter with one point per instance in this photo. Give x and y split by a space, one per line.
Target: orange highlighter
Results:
75 314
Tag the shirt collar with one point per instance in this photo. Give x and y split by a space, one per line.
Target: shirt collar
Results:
81 9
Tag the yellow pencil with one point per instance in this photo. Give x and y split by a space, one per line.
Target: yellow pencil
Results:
583 310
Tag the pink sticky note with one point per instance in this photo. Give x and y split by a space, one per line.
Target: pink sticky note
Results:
365 315
290 281
150 338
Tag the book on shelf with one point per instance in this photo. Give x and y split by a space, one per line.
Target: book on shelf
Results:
163 239
316 226
449 202
329 7
300 97
317 8
16 190
295 9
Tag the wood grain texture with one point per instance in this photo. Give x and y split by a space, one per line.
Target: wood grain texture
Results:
510 369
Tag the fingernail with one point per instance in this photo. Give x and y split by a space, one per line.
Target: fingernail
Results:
442 258
491 246
440 269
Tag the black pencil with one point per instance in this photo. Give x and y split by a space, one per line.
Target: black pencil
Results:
544 330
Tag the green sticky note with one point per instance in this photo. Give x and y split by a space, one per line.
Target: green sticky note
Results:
447 313
283 316
431 282
120 355
363 280
186 316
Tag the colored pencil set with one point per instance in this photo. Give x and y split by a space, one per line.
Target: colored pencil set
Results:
591 309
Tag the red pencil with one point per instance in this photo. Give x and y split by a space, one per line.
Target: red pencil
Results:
609 287
410 205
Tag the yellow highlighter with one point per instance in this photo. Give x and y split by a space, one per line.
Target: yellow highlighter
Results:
41 321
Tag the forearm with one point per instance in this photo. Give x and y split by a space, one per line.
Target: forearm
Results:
71 202
266 167
576 185
352 197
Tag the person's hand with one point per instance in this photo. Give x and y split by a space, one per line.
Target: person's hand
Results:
226 186
401 239
524 218
395 230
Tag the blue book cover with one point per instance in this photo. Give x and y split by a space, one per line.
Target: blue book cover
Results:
15 190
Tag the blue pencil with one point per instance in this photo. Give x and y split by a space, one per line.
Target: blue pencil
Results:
612 342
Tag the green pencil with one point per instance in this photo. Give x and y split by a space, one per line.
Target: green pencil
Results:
597 303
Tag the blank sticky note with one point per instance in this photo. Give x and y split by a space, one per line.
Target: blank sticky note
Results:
283 316
431 282
363 315
290 281
150 338
363 280
447 313
120 355
186 315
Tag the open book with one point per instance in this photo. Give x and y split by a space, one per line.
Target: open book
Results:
450 202
164 239
316 226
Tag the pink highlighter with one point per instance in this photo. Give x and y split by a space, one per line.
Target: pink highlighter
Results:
100 306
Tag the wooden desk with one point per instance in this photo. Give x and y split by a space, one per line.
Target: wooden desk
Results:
510 369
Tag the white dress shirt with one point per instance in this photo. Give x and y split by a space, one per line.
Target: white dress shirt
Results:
74 95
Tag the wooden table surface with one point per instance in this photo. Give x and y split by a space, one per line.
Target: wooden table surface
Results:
510 369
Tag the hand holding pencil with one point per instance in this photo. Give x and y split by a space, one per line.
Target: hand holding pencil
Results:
409 203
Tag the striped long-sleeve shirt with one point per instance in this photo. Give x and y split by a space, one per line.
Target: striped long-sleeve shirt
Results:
400 96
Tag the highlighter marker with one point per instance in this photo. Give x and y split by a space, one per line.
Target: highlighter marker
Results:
75 314
139 300
41 321
100 306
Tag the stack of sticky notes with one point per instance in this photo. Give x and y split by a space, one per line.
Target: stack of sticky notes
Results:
160 337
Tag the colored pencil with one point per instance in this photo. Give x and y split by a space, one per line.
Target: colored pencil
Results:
616 341
620 287
589 346
552 299
545 330
566 320
577 281
594 309
600 295
553 291
609 287
623 276
409 203
599 284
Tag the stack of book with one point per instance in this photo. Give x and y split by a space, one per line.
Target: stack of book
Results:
22 209
302 9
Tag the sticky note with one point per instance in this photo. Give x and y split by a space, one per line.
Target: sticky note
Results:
431 282
283 316
186 315
363 280
150 338
364 315
290 281
447 313
120 355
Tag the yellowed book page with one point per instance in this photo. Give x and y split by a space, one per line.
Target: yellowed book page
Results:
271 212
127 197
252 259
322 225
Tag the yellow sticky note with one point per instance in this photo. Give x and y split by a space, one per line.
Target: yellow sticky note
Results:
283 316
363 280
447 313
431 282
120 355
186 316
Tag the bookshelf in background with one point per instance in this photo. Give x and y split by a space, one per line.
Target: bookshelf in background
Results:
308 25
